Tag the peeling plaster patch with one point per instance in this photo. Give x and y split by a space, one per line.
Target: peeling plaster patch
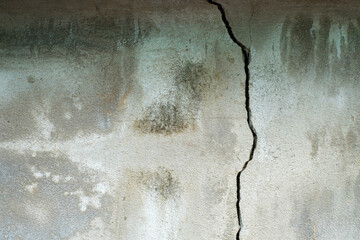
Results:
35 205
79 154
101 188
55 178
36 173
85 201
93 199
67 115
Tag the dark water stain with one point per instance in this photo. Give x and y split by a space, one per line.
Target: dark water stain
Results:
191 80
322 48
353 52
344 72
308 52
193 84
357 197
53 36
346 143
310 211
352 139
316 139
284 40
16 118
300 47
45 211
305 224
31 79
304 49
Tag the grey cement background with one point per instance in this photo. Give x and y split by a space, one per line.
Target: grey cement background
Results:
126 120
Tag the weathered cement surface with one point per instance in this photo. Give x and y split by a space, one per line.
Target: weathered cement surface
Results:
120 126
304 180
123 120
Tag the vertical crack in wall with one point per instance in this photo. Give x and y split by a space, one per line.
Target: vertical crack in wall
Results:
246 59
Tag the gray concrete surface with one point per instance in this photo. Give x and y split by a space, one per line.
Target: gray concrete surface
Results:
127 120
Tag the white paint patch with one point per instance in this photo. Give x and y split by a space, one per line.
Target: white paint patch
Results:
93 200
56 178
101 188
32 187
68 178
37 174
67 115
47 174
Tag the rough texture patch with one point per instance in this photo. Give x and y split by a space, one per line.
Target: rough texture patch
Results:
113 123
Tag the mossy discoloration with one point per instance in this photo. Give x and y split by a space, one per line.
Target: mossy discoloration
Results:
192 80
162 183
179 111
36 196
163 118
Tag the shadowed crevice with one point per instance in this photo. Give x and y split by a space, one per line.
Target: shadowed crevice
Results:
246 58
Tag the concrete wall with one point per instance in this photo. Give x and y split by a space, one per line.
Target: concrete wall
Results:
127 120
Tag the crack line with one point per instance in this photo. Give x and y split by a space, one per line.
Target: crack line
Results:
246 58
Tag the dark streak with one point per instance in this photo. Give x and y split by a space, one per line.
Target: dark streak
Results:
246 59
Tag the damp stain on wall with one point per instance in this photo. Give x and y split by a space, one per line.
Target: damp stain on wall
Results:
71 35
321 49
